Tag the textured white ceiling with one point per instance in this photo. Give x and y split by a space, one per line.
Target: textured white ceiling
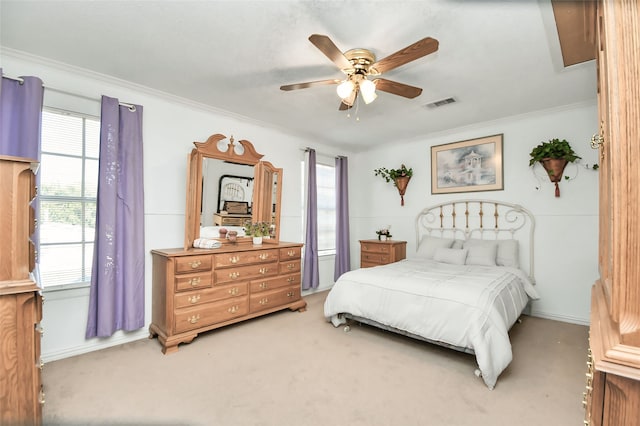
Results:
497 58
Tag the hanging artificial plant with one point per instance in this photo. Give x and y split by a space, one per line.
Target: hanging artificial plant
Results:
400 178
554 156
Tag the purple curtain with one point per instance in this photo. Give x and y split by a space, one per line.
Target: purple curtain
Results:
116 299
343 258
311 274
20 117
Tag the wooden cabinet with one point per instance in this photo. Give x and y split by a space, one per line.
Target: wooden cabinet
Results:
199 290
21 394
612 396
376 252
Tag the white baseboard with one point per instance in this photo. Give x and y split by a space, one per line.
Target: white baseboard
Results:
562 318
96 345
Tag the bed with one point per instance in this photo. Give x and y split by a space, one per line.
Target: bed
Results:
468 282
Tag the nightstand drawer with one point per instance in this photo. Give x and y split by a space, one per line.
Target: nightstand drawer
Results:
376 248
376 252
380 259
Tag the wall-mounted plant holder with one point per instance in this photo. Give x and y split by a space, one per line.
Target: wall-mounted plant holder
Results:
554 156
401 183
555 169
400 178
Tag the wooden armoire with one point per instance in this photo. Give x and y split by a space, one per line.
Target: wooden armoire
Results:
21 394
613 380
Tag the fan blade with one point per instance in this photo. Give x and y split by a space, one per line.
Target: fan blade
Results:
309 84
396 88
347 103
330 50
410 53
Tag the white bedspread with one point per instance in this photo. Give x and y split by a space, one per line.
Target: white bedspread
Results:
461 305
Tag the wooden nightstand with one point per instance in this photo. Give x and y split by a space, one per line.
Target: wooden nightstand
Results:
376 252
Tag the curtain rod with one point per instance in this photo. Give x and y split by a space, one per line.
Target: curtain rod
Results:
20 80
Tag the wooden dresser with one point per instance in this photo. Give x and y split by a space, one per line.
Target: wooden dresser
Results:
21 394
197 290
612 395
376 252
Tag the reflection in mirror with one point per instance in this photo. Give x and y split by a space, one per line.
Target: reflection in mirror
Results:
207 164
223 181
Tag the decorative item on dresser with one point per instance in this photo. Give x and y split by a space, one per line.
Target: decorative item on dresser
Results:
376 252
612 395
199 290
196 290
21 394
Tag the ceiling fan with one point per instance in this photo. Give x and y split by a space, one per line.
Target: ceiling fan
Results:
358 64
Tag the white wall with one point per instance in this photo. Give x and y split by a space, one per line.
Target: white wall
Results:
567 227
566 237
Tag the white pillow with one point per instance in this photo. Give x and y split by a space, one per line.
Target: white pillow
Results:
457 244
428 245
450 255
508 253
481 252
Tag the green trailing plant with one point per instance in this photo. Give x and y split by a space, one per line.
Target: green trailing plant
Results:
390 175
554 148
257 229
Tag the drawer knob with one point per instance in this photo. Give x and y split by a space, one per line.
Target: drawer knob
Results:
233 309
291 294
41 397
291 266
193 318
290 279
194 299
264 301
40 329
263 270
41 366
194 281
234 291
234 259
234 275
195 264
263 256
263 285
291 253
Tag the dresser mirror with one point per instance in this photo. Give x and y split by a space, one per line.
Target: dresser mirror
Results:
228 185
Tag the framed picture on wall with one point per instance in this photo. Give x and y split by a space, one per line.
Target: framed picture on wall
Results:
467 166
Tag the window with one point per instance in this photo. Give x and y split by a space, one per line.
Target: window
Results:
68 187
326 190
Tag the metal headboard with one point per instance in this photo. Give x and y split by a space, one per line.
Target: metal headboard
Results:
483 219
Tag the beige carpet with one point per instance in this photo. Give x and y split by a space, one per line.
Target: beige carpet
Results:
293 368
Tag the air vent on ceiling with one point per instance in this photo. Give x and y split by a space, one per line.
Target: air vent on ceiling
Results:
440 103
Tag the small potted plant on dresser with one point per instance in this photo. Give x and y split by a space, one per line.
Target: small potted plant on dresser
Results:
400 178
554 155
257 231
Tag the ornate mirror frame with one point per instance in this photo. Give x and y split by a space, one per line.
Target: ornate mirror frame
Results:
267 192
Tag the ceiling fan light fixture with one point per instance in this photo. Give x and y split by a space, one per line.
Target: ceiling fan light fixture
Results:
344 89
368 91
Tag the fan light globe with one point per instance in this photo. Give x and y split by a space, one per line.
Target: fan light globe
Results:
344 89
368 91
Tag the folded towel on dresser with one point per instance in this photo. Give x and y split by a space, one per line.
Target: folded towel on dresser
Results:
206 243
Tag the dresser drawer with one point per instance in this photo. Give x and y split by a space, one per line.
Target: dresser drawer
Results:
193 281
244 258
289 266
290 253
199 297
375 248
273 298
210 313
188 264
376 258
243 273
276 282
